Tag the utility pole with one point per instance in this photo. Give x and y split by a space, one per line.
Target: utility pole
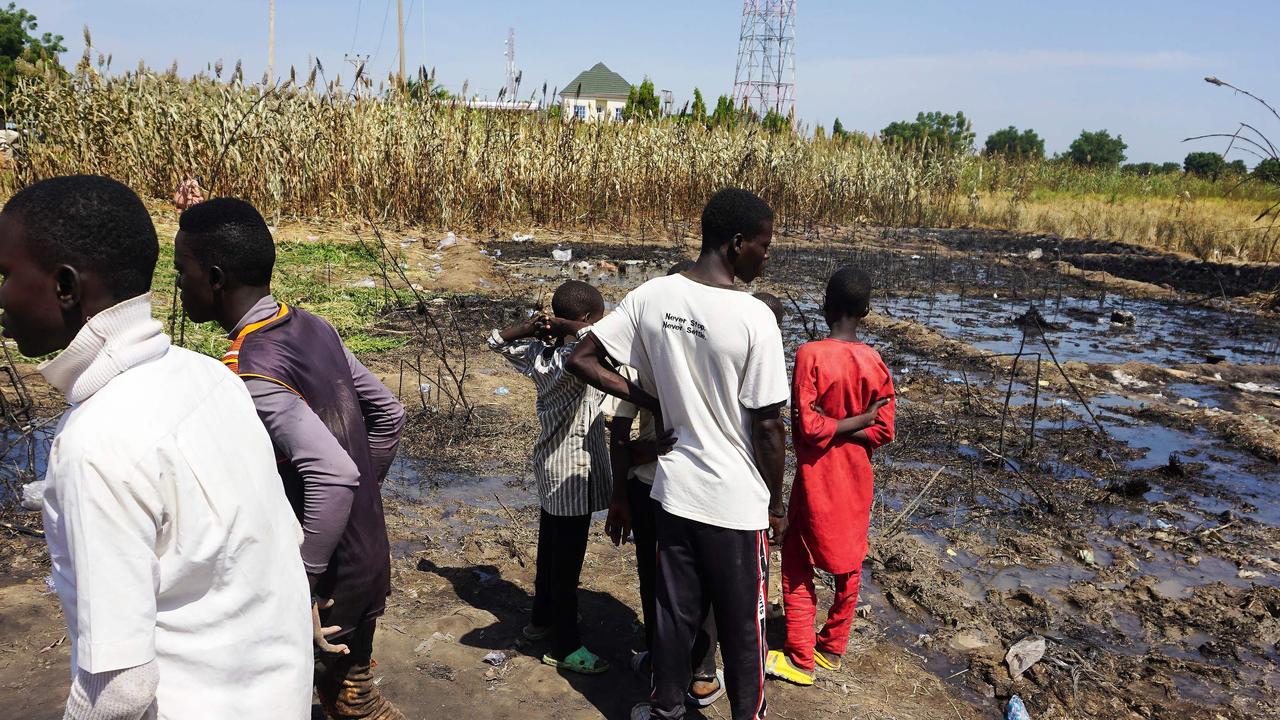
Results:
271 40
400 23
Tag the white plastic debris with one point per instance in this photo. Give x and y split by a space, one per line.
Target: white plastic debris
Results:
1248 574
562 255
1035 254
495 658
447 242
1128 380
1188 402
33 495
1023 654
312 238
1255 387
365 283
502 391
409 242
521 238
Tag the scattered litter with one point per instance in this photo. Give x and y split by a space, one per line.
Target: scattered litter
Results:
424 389
417 287
562 254
582 266
1023 654
1255 387
1188 402
449 241
521 238
1086 556
1248 574
951 552
1161 524
503 390
916 257
1123 317
864 610
954 381
436 256
606 265
1128 380
482 283
33 495
1035 254
495 658
365 283
1016 710
409 242
312 238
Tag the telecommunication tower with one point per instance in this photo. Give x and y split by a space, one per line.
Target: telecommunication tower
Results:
512 79
766 76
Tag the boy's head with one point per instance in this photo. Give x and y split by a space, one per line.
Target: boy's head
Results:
848 295
70 247
222 244
738 224
682 266
576 300
774 304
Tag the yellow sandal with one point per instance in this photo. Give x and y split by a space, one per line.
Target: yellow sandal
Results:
821 660
777 664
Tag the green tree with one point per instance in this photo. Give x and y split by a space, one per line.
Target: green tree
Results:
1205 164
775 121
837 130
642 102
1237 167
933 130
1097 149
1025 145
1170 167
1268 171
20 49
699 110
1142 169
725 115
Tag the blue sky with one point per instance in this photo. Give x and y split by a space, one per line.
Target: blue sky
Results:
1134 67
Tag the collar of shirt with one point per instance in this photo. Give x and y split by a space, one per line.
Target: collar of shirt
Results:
261 310
114 340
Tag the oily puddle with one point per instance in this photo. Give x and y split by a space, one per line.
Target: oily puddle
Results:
1081 329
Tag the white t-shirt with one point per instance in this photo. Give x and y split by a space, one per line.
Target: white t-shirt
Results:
171 540
713 354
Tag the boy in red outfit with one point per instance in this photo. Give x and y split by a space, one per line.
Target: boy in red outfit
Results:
842 409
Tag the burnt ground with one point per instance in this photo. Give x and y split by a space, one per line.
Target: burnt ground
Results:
1120 503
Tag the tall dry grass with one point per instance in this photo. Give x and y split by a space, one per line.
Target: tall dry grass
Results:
312 150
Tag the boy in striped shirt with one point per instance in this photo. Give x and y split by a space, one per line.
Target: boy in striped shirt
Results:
570 463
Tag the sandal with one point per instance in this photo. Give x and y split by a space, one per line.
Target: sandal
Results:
581 661
821 659
778 665
709 699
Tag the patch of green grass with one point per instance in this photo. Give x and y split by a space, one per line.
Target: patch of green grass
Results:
362 344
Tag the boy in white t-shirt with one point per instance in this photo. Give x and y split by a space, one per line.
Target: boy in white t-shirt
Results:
174 550
714 355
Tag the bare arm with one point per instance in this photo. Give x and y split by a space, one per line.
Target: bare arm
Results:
618 523
768 441
589 364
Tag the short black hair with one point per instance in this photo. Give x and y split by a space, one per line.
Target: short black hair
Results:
732 211
574 299
682 266
91 223
774 304
231 234
849 292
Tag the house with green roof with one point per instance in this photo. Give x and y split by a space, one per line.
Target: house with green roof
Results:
595 95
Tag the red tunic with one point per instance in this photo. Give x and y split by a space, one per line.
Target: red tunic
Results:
831 497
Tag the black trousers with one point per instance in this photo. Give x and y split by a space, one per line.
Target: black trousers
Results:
562 545
702 567
643 518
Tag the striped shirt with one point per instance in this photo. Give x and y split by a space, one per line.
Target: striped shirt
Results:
570 456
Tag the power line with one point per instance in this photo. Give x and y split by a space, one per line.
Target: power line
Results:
356 33
383 34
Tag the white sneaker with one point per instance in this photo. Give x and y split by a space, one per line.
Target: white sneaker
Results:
641 712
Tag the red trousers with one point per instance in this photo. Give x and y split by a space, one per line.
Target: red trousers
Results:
800 601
